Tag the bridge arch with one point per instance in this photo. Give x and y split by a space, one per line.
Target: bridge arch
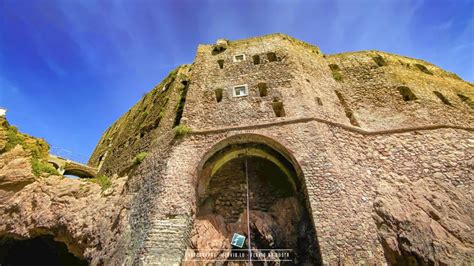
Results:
279 211
67 167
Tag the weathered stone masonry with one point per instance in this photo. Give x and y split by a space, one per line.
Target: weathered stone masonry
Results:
350 130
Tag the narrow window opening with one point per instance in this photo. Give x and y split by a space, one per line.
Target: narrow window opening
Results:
278 108
463 98
347 110
335 72
423 69
256 59
466 100
379 60
271 57
221 63
262 89
218 93
442 98
181 103
406 93
318 101
239 91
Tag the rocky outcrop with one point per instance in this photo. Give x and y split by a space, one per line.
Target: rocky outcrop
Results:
88 220
424 223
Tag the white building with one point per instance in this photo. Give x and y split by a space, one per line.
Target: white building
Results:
3 111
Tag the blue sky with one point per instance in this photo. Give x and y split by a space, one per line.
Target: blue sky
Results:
69 69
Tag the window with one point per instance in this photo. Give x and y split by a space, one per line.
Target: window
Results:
219 95
262 89
442 98
278 108
239 58
221 63
256 59
406 93
240 91
271 57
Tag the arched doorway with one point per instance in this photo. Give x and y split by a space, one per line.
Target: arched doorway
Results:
281 228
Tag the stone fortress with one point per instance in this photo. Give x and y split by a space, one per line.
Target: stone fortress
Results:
353 158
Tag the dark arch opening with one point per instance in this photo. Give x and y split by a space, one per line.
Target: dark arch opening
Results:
280 215
41 250
78 173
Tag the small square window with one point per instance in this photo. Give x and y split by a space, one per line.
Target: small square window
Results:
240 91
239 58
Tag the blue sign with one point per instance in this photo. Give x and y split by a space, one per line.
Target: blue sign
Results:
238 240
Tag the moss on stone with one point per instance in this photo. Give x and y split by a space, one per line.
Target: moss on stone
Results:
182 130
37 147
39 166
139 158
102 180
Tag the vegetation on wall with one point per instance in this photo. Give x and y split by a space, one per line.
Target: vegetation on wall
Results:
181 130
335 72
139 158
37 148
102 180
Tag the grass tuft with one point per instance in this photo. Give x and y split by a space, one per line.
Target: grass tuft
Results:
103 181
181 130
139 158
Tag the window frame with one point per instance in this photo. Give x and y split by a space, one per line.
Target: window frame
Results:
237 86
236 61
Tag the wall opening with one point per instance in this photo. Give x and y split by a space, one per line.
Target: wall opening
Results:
221 63
406 93
278 108
271 57
256 59
335 70
423 69
279 215
219 94
466 100
77 173
240 91
181 103
319 101
442 98
41 250
239 58
262 89
379 60
347 110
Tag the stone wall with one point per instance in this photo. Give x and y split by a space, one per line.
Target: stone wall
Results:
333 107
138 129
371 83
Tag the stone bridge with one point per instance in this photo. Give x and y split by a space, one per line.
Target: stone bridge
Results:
68 167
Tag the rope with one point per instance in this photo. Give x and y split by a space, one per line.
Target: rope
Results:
248 211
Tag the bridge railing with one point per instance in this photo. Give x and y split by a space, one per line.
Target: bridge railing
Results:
69 155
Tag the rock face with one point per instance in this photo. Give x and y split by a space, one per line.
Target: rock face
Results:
76 212
361 158
424 223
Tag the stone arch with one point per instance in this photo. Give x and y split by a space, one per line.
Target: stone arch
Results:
66 167
242 139
270 165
